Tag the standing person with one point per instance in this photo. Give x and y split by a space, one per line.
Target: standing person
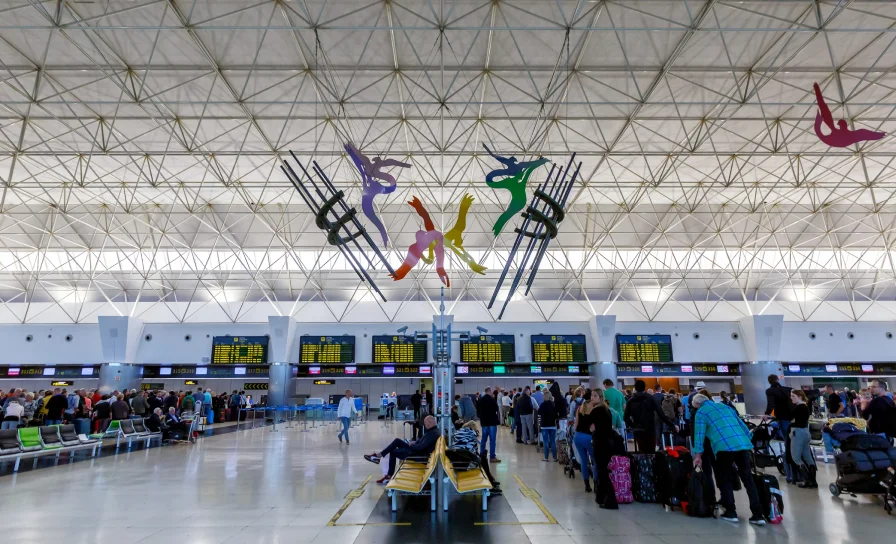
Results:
727 400
234 405
345 412
208 408
800 438
429 402
56 406
120 408
614 397
489 418
547 411
639 416
465 407
14 414
778 401
834 404
730 440
506 403
538 395
102 414
517 425
602 441
879 411
416 404
562 408
527 418
140 406
583 444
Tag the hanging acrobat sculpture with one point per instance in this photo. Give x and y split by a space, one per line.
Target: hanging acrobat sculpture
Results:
371 171
515 175
541 222
435 242
841 135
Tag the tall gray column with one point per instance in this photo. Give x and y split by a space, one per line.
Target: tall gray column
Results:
281 383
761 335
602 357
120 337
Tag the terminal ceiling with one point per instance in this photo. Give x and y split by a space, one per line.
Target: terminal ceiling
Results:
140 144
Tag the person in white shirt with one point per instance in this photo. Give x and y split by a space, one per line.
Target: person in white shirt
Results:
14 412
506 403
345 412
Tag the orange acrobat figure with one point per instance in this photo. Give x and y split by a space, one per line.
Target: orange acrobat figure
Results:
840 136
435 242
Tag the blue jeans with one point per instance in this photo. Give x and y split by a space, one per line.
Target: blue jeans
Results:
549 437
9 425
585 453
490 435
346 423
54 422
829 442
210 415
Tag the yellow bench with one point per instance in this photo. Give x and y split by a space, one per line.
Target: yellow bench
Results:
411 476
464 481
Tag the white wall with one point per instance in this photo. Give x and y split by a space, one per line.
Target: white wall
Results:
715 344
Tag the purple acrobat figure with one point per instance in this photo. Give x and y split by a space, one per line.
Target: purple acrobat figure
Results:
840 136
370 172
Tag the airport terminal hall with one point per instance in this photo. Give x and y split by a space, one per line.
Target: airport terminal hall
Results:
448 271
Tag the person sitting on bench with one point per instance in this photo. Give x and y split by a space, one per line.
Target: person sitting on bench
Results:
402 449
154 423
174 423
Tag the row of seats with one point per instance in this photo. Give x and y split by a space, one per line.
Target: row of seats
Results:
37 441
130 430
412 475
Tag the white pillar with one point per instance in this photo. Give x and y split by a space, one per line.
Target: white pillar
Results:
120 337
761 335
281 383
603 345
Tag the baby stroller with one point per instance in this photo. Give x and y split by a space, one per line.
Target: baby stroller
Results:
764 455
566 454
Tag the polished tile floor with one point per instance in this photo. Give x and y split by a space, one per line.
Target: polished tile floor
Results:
259 486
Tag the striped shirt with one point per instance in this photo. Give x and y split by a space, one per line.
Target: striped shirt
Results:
723 427
465 439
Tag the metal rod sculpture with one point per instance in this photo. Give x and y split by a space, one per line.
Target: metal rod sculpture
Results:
435 242
841 135
543 217
371 171
516 174
335 218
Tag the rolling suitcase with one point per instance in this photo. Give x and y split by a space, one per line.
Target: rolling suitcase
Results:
643 481
621 478
671 472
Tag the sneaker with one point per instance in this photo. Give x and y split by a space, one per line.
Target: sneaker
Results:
496 492
347 443
494 460
588 487
383 480
757 520
339 436
546 460
730 517
373 458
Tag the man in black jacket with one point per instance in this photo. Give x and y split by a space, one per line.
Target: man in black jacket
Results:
55 407
777 400
489 418
401 449
416 402
880 411
639 416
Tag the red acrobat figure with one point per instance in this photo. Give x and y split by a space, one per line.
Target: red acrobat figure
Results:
425 239
840 136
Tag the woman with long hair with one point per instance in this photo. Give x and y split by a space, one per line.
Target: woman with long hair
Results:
800 451
582 440
602 440
547 411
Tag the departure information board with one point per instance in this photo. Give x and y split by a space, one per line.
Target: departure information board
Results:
555 348
327 349
685 369
239 350
839 369
488 348
460 371
642 348
398 349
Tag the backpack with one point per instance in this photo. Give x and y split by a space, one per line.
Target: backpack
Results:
701 495
669 407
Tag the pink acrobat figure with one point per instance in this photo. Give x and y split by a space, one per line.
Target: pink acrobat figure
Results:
840 136
425 239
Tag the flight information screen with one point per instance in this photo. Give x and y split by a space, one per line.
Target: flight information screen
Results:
327 349
642 348
556 348
488 348
239 350
398 349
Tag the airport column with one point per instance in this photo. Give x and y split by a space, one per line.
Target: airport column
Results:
603 340
120 337
761 335
443 372
281 382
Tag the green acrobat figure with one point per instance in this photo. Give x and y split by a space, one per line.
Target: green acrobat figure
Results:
517 175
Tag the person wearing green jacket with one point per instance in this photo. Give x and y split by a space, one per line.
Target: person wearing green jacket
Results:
615 398
188 403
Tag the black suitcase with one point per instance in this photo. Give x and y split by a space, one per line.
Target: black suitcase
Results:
768 489
671 473
701 495
643 481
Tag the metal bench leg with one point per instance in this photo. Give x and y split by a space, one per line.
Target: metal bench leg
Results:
445 494
432 494
16 467
485 495
117 441
394 501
